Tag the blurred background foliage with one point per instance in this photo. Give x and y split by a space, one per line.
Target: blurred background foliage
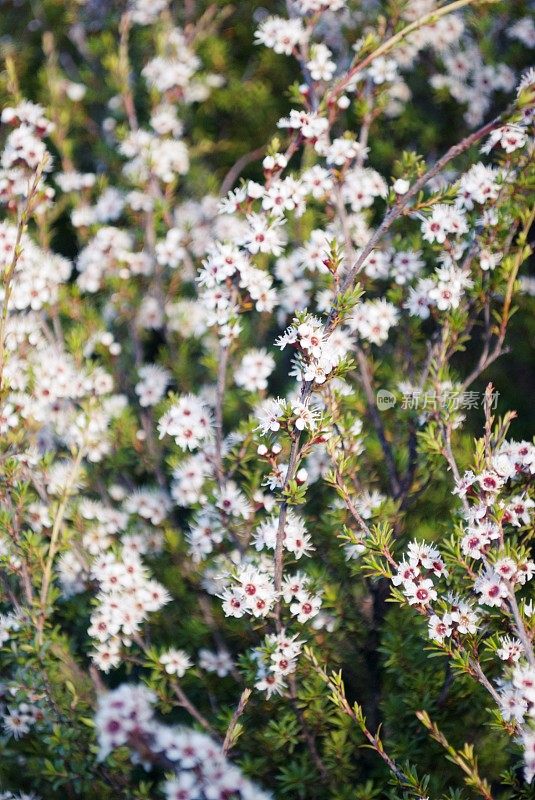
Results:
239 119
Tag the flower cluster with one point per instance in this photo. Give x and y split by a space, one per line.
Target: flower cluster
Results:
188 420
125 717
125 597
317 353
495 571
211 295
276 660
422 560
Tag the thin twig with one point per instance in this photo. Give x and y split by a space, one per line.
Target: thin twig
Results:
55 541
17 252
487 358
235 171
390 44
124 71
185 702
231 730
399 209
220 394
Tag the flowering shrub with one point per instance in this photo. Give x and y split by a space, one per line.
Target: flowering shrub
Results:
258 352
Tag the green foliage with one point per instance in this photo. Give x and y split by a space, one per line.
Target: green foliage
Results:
330 737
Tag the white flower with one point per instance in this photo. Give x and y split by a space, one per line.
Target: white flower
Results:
220 662
268 414
188 421
321 65
383 70
401 186
491 589
175 662
510 649
305 606
255 368
509 137
439 628
282 35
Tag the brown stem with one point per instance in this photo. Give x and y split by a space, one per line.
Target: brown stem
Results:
520 628
17 252
375 742
54 543
220 393
401 205
124 71
185 702
386 47
487 358
235 171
